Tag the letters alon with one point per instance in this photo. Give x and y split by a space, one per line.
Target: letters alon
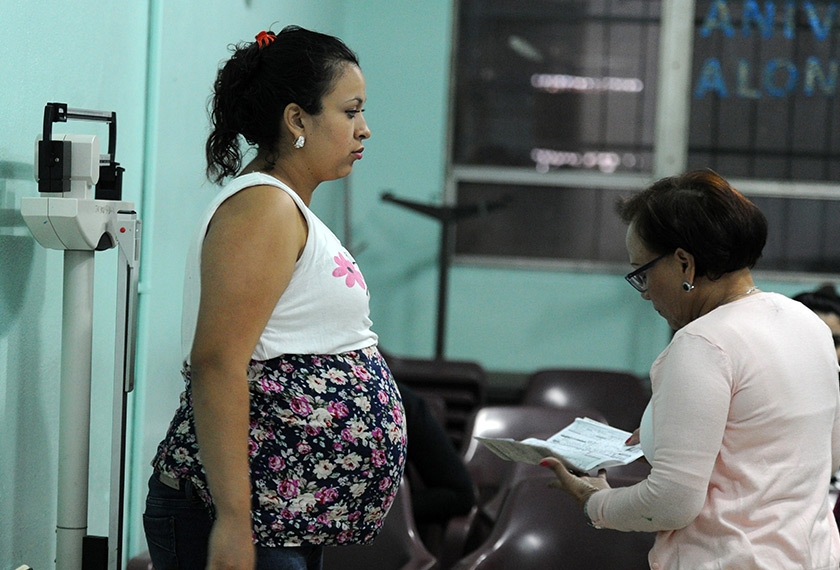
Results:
779 76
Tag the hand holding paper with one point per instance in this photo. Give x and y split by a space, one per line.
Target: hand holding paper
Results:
579 487
584 446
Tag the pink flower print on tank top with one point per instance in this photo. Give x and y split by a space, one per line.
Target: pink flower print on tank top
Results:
348 268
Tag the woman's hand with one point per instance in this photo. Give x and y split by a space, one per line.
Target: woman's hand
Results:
635 440
580 488
231 547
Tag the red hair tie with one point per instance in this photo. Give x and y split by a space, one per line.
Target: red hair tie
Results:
264 38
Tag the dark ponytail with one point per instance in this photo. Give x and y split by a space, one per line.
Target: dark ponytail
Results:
253 88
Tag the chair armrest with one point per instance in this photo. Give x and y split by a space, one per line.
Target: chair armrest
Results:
455 536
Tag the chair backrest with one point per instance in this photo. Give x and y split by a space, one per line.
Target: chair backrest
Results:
488 516
398 546
461 384
488 471
542 527
620 396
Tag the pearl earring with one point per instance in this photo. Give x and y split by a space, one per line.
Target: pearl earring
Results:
300 142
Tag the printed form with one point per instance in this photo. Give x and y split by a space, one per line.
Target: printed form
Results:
584 446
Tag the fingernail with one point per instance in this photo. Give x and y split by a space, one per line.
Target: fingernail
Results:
628 440
544 463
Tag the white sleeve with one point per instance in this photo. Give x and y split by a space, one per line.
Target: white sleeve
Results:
692 387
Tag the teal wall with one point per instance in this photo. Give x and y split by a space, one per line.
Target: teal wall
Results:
152 62
91 56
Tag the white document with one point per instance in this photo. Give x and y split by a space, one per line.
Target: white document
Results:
585 446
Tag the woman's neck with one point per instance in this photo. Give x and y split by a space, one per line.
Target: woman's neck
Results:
284 171
729 288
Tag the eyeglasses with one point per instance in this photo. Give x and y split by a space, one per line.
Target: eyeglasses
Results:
638 277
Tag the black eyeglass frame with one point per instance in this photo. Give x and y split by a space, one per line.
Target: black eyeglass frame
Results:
634 277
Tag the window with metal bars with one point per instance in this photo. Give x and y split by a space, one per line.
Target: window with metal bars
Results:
556 84
553 114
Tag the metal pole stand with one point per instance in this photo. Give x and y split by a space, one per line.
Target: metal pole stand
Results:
448 216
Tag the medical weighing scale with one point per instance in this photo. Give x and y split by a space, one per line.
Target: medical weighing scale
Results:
79 210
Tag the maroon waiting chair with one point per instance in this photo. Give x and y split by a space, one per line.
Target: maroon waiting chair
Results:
620 396
461 384
541 527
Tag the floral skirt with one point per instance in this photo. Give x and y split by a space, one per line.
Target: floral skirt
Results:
327 447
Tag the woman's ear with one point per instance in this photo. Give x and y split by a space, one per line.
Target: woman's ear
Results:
293 119
686 261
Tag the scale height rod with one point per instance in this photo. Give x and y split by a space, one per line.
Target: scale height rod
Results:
74 408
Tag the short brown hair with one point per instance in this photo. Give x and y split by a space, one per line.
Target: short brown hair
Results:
701 213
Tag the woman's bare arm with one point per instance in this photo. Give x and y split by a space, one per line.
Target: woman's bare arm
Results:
247 261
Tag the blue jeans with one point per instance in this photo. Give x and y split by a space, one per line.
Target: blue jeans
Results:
177 526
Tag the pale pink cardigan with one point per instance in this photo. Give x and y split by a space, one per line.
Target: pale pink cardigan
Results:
743 439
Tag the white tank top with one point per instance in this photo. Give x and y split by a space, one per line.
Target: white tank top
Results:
324 309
